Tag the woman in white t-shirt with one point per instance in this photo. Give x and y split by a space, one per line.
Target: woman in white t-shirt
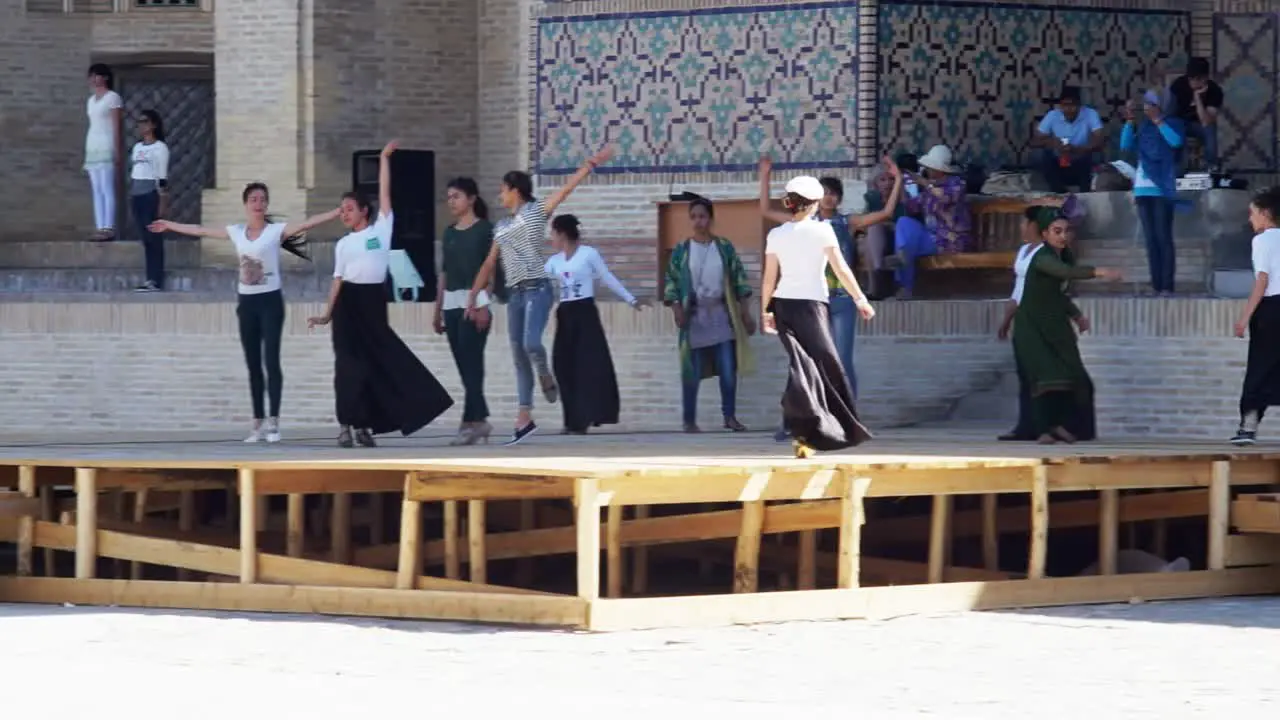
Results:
379 385
104 148
818 410
580 354
1261 319
260 308
149 193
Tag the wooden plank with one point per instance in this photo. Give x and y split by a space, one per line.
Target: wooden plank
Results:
86 547
639 558
436 486
1039 524
990 531
410 543
1108 532
613 551
295 525
1252 550
1256 513
550 610
247 482
586 501
849 555
176 479
26 522
940 538
807 559
139 517
452 567
1219 514
746 557
882 602
476 532
325 481
340 528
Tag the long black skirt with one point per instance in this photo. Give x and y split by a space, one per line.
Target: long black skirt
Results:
1262 374
1081 422
817 405
583 367
378 381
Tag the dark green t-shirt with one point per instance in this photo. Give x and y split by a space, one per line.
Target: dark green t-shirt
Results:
463 253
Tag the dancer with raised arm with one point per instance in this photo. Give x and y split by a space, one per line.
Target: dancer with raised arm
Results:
519 242
260 297
818 409
379 384
1261 319
580 352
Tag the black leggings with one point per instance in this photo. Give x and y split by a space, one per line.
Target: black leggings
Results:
261 325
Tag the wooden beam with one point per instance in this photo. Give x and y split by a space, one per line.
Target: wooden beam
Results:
410 543
476 531
990 531
551 610
1253 550
1219 514
296 525
247 482
437 486
851 521
139 517
613 551
26 523
452 567
586 500
1039 551
1108 532
807 560
940 538
87 523
340 528
326 482
639 558
746 557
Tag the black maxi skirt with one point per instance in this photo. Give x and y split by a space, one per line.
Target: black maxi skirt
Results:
583 367
1081 422
1262 374
817 405
378 381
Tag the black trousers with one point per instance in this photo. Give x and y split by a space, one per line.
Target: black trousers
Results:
261 319
145 209
1262 373
466 342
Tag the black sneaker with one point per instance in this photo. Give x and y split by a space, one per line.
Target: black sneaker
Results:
365 438
1244 438
147 287
344 438
521 433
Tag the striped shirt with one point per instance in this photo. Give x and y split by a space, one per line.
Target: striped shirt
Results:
521 240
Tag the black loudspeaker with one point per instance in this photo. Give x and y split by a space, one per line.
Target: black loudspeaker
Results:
413 199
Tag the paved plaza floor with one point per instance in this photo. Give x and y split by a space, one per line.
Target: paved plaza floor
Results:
1211 659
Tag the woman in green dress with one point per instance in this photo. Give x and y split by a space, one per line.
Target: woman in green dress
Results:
1044 339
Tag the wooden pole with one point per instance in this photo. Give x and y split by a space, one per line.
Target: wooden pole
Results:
475 540
640 559
940 538
410 544
586 499
852 518
295 537
990 531
86 523
248 527
1219 513
186 521
1039 553
139 517
452 567
1108 531
340 528
746 557
48 512
26 525
807 560
613 550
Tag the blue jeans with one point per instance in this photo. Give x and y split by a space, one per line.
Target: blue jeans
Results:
145 209
1156 215
725 358
843 319
911 240
1208 137
528 309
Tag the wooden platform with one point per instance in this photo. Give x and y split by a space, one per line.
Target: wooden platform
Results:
629 531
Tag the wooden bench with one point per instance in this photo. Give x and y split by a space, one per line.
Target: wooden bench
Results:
997 234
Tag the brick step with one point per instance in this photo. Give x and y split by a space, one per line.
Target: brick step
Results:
179 280
179 253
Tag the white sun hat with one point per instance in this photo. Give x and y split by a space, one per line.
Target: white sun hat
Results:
939 158
807 187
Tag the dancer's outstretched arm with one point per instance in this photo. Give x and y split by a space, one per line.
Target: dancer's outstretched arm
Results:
384 178
849 282
765 169
861 222
160 226
324 319
559 196
768 283
314 221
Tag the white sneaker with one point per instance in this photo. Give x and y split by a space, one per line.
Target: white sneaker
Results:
255 436
273 430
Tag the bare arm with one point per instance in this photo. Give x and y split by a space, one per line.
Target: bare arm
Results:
1010 309
384 178
567 188
324 319
845 275
483 275
768 213
192 230
1255 297
298 228
768 283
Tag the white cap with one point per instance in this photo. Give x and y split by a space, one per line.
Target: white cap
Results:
807 187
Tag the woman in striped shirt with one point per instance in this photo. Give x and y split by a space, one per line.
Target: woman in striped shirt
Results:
519 242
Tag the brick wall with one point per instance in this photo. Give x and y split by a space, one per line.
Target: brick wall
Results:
1162 367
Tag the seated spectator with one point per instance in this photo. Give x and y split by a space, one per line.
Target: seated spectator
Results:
877 243
1065 142
945 225
1196 101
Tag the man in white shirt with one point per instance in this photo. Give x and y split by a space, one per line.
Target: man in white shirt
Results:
1066 140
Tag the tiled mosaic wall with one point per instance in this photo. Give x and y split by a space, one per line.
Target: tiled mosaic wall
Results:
1246 48
978 77
699 90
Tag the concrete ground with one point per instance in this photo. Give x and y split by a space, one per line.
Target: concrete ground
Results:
1212 659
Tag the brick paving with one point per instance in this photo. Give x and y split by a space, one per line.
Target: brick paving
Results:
1212 659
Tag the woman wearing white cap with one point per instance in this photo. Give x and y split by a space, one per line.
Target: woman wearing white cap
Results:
942 203
817 406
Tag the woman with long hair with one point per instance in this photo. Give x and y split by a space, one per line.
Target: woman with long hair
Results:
707 290
466 244
379 384
104 148
818 409
260 297
1045 345
149 193
1260 318
518 242
580 352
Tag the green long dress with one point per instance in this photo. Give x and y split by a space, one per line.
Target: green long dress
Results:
1046 347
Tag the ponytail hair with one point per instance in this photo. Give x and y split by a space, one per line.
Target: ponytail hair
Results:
569 226
795 203
468 187
295 244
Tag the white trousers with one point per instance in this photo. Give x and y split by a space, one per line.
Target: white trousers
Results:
103 180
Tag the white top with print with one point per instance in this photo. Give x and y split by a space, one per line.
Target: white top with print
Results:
363 257
259 258
577 274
